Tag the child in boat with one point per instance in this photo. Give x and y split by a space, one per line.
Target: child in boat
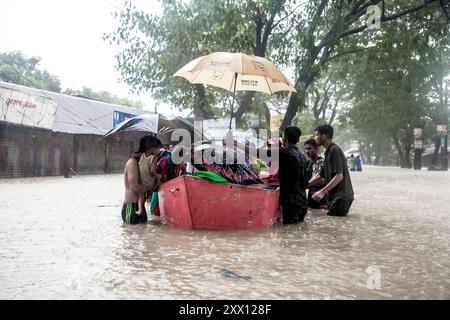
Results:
149 177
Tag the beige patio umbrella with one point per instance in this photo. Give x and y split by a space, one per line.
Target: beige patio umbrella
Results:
236 72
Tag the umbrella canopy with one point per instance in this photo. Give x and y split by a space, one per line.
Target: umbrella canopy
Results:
144 122
236 72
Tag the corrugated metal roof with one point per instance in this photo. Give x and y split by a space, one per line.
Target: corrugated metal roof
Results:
78 115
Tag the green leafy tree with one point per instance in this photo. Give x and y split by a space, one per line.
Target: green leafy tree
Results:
392 86
17 68
328 29
105 96
157 46
302 35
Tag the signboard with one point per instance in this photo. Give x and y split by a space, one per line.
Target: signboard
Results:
418 133
442 129
27 109
217 129
119 117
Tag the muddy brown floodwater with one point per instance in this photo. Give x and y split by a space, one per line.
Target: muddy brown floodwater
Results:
64 239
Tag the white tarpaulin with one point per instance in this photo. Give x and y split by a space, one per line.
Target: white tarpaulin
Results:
248 137
217 129
143 122
26 109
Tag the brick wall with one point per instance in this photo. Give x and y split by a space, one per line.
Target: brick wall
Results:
28 151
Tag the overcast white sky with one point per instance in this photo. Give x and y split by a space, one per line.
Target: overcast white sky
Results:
67 35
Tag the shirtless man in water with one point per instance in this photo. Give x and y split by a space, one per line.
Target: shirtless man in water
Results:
130 213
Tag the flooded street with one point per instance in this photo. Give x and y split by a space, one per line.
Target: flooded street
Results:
64 239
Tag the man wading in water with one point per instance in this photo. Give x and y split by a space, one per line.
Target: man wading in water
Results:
130 215
293 178
334 173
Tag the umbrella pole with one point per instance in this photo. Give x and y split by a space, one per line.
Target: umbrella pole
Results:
234 95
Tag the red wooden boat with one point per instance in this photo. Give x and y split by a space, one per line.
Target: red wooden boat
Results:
196 203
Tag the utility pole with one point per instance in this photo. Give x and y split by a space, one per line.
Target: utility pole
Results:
444 144
445 153
418 146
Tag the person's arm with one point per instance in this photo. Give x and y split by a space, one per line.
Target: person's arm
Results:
157 183
133 178
315 180
337 167
333 183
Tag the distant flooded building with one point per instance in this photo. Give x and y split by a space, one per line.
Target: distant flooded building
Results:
44 133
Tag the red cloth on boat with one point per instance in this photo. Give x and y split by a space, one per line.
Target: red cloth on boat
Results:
168 171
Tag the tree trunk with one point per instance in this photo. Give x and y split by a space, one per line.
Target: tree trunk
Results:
376 162
297 100
267 115
263 30
333 112
200 106
368 158
437 147
402 160
244 105
407 148
316 109
294 102
401 154
445 154
417 159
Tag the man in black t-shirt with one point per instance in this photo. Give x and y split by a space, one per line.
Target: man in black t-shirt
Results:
334 173
293 178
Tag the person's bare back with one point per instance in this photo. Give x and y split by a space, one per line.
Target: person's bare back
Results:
131 177
134 189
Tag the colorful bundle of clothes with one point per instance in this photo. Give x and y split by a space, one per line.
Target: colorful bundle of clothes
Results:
168 171
243 174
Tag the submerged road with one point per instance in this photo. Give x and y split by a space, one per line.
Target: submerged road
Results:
64 239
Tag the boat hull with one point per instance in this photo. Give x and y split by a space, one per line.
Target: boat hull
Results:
195 203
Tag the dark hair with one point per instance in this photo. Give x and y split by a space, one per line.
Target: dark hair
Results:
311 142
325 129
292 134
148 142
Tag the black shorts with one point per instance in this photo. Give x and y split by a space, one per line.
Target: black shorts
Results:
339 207
129 215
